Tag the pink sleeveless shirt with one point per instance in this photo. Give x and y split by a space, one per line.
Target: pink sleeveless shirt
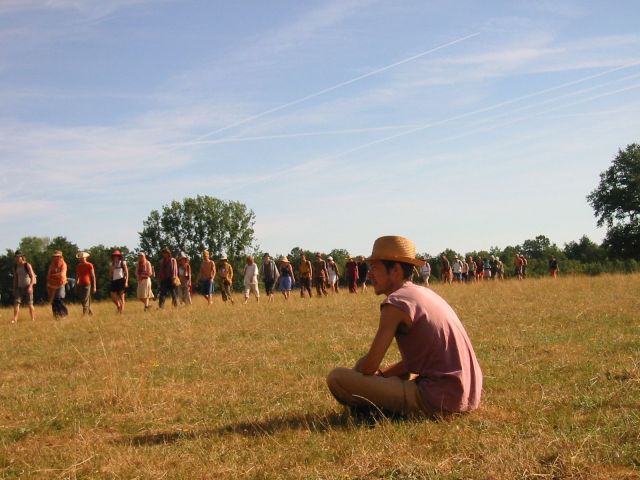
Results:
436 348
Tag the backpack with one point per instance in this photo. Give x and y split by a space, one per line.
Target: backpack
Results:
29 271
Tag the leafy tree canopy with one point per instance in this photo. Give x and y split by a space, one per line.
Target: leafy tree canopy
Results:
197 224
616 203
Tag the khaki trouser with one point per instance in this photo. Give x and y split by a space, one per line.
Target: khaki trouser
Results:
393 393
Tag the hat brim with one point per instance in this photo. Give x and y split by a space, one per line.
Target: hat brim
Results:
412 261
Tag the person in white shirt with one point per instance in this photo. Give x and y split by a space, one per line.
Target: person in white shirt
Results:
425 271
251 279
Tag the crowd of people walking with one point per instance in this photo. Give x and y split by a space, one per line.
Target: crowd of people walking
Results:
175 279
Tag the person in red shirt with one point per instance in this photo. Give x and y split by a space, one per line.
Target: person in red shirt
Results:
85 282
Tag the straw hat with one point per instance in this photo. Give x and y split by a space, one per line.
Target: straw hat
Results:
223 257
57 253
395 248
19 254
284 259
82 255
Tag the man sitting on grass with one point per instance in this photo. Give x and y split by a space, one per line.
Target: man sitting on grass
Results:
438 373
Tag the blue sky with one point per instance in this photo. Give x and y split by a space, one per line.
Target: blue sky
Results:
459 124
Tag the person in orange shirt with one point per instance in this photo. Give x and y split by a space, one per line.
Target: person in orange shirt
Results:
56 283
305 272
85 282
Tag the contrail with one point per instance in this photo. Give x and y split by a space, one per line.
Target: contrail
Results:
476 112
347 131
334 87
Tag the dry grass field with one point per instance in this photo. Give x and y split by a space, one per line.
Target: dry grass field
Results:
239 391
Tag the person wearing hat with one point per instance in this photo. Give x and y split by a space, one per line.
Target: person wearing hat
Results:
270 274
23 281
334 274
425 271
184 274
56 282
438 372
85 282
119 277
206 276
287 279
225 278
144 273
168 275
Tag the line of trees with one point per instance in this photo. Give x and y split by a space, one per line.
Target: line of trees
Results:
226 228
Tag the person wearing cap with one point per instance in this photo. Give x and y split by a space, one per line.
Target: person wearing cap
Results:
287 279
85 282
23 281
206 276
225 278
144 274
184 274
119 277
438 372
56 283
250 279
168 275
334 274
320 275
270 274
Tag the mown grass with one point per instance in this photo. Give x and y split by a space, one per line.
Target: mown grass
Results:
239 391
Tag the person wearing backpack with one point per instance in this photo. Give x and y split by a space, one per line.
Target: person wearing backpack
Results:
23 281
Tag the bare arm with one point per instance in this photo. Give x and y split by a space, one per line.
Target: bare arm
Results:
125 270
390 318
93 280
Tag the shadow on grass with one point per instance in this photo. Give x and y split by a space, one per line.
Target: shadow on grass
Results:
309 421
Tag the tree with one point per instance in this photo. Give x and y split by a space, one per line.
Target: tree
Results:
616 203
584 251
197 224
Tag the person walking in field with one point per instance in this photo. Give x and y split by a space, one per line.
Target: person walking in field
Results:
486 268
119 276
144 274
351 272
225 276
85 282
23 281
206 276
363 271
519 264
305 273
438 373
56 285
446 275
250 279
320 275
287 279
554 268
334 274
479 268
472 269
270 275
425 271
184 274
168 276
